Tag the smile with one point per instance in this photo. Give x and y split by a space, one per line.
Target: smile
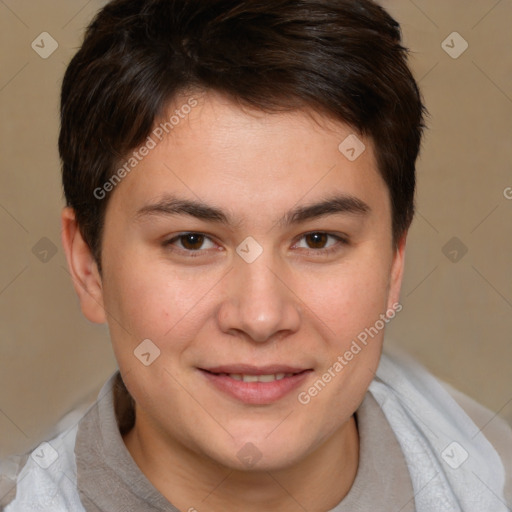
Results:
257 386
258 378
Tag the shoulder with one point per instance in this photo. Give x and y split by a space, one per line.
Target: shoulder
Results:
444 415
44 478
495 429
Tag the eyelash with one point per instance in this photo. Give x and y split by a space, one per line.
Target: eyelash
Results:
342 241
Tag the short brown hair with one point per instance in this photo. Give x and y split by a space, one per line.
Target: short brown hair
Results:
343 58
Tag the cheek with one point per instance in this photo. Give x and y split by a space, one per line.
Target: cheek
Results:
156 301
139 302
349 300
350 306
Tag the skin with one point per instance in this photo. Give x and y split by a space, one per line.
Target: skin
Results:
293 305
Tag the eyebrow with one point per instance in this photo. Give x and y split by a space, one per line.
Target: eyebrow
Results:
172 205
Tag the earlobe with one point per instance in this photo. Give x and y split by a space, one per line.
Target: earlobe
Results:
397 271
83 269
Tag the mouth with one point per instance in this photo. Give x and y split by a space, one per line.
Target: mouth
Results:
255 385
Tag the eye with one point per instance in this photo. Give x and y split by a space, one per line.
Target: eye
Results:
194 244
318 241
191 242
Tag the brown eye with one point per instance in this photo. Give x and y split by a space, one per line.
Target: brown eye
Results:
316 240
192 241
322 243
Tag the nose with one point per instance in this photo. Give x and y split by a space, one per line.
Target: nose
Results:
258 302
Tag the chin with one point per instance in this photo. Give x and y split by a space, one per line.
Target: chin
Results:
260 453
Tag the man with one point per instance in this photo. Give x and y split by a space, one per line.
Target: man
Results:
240 180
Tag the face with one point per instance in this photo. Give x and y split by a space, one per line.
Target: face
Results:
252 253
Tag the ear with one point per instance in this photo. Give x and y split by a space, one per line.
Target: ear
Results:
83 269
397 272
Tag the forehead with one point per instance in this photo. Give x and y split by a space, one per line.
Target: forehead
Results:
252 161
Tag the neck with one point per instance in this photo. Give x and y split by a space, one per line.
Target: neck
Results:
191 482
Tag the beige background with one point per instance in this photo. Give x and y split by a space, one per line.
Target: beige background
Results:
457 316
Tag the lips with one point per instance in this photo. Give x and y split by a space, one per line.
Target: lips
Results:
246 369
258 378
255 384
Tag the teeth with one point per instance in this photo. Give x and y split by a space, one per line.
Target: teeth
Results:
259 378
267 378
